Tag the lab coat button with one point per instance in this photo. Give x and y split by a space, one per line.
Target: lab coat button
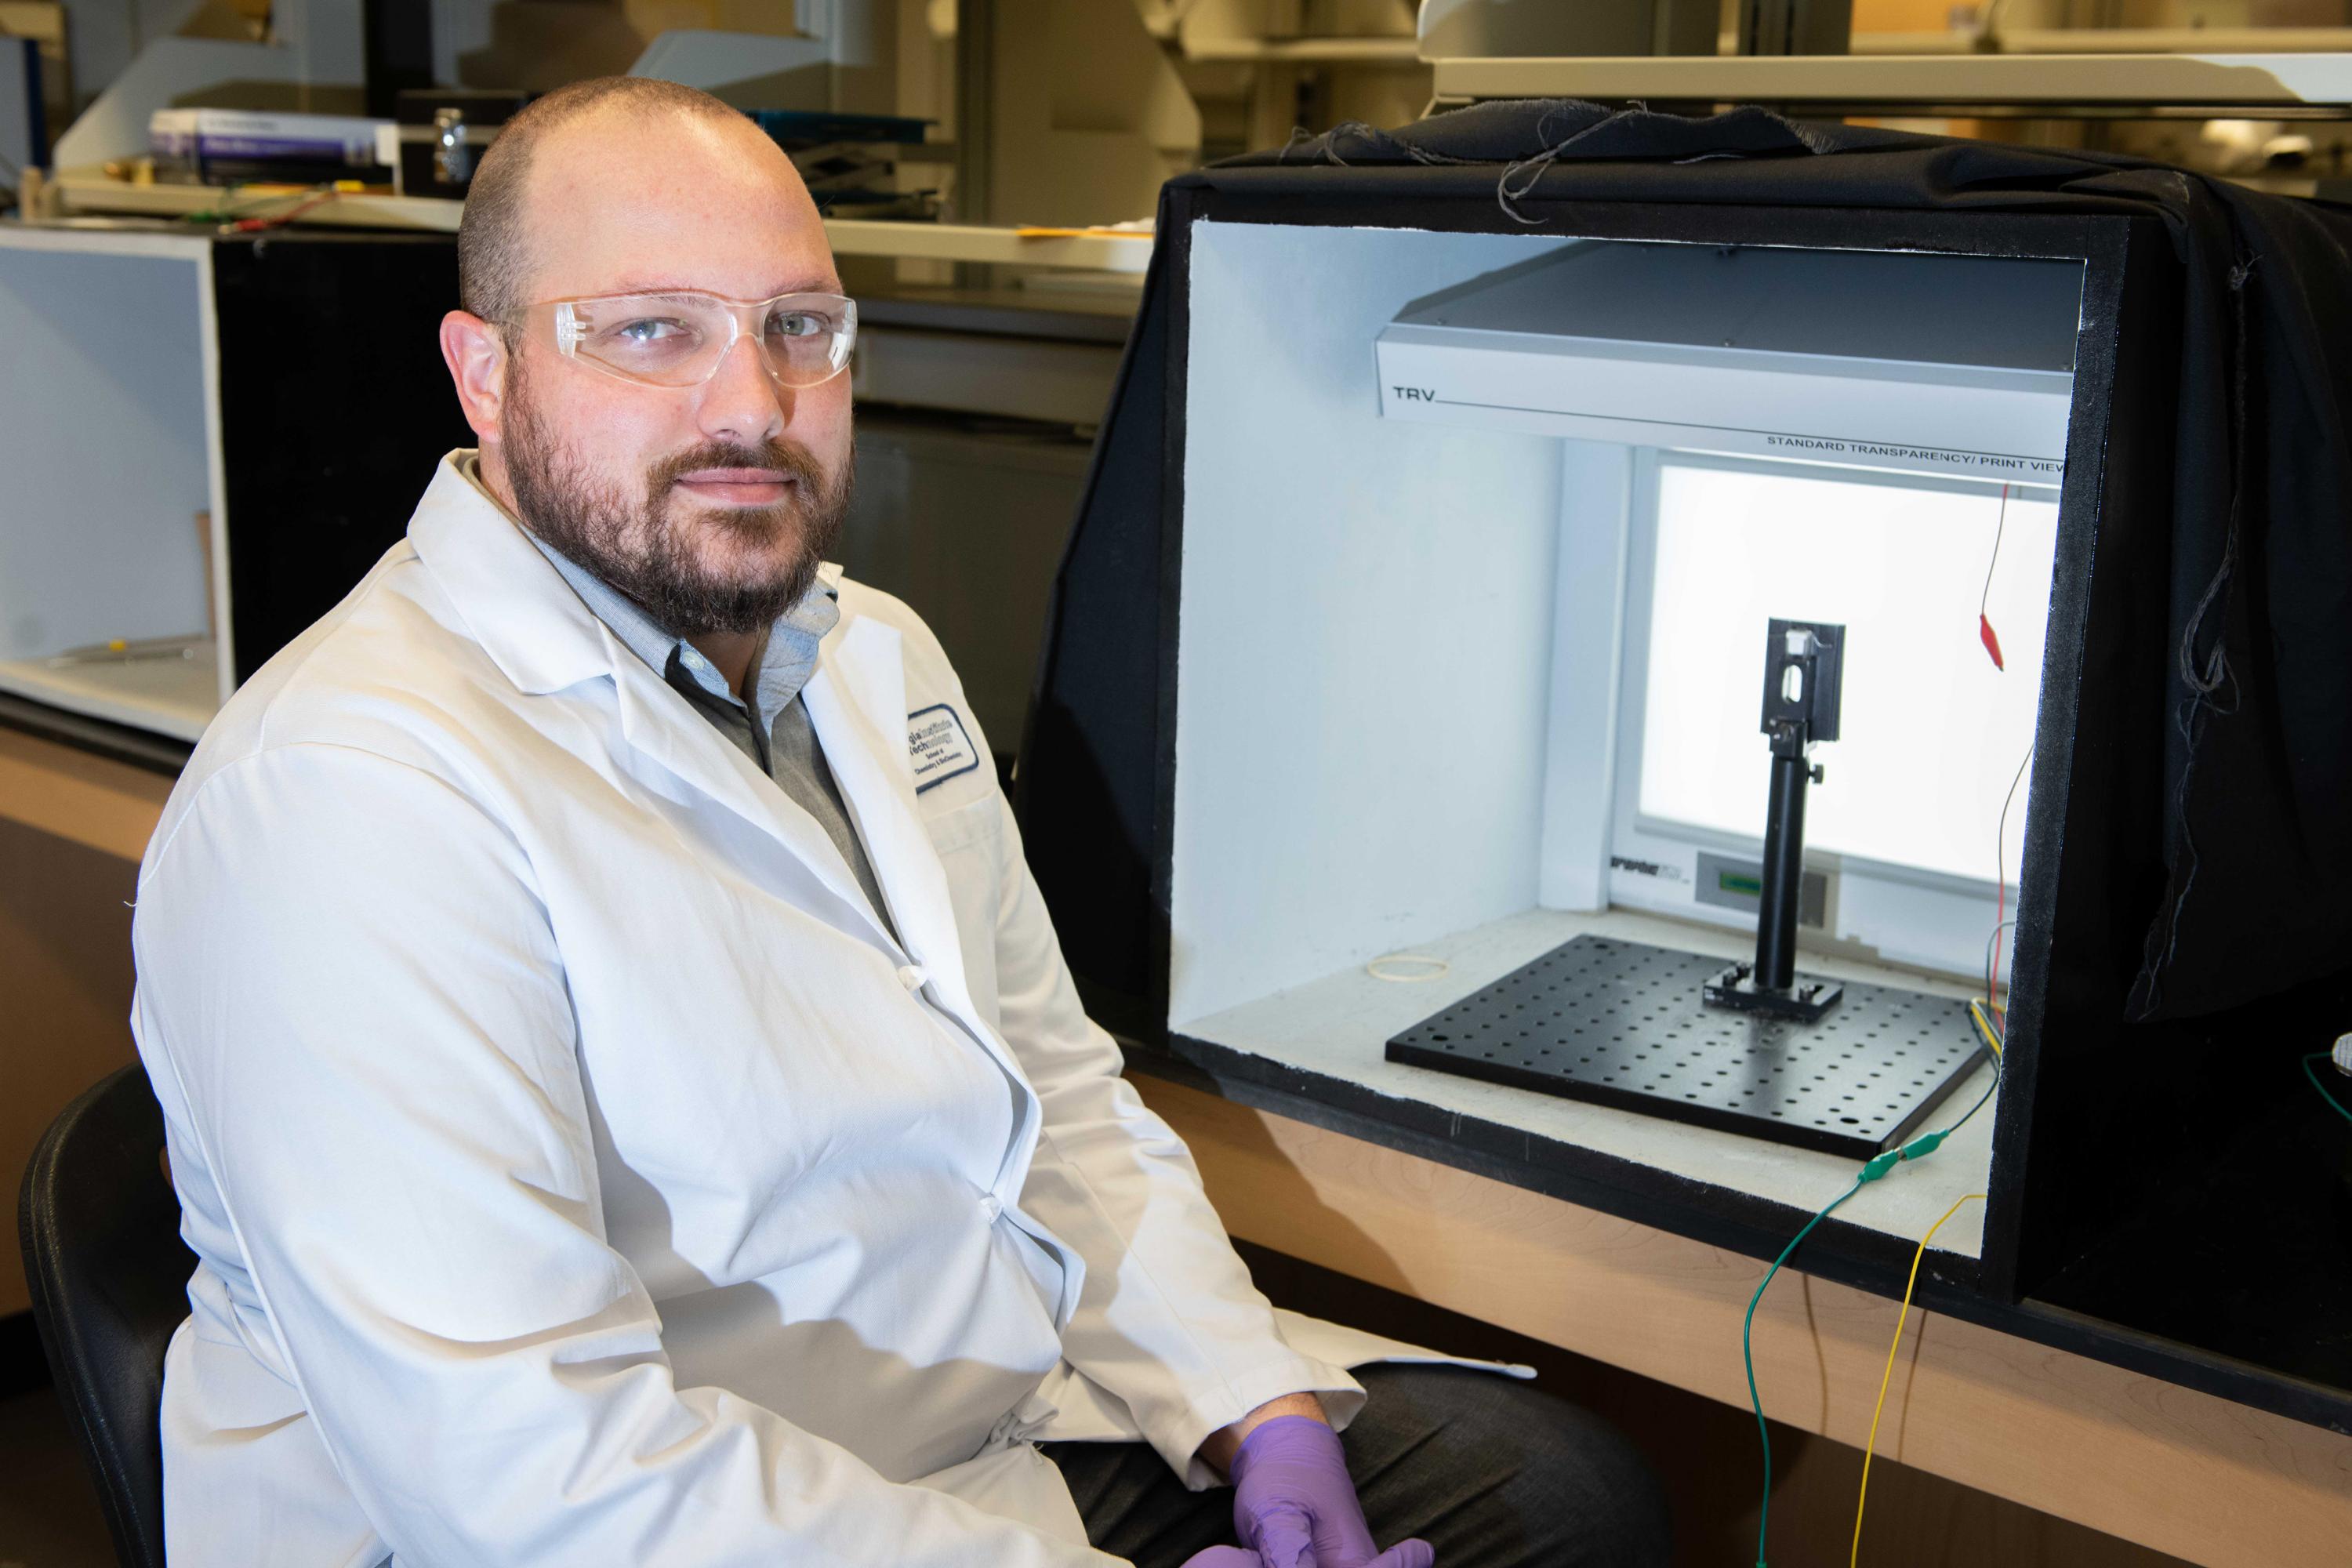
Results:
990 1208
912 976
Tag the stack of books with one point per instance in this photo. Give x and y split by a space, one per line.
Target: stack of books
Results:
237 146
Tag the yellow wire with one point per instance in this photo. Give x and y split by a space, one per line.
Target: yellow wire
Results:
1888 1377
1984 1026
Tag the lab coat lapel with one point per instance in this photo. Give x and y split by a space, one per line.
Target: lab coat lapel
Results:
656 723
857 700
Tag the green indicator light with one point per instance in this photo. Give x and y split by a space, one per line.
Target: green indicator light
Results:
1735 882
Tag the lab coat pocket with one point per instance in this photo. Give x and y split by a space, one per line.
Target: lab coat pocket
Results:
970 842
958 827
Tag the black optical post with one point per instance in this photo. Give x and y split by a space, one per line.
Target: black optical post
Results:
1803 669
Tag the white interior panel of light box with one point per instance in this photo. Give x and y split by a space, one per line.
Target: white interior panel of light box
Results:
1366 614
105 438
1588 649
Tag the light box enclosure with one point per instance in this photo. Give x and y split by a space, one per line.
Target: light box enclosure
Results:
2151 1200
1395 644
1107 792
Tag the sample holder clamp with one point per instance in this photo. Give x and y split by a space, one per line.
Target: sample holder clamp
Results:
1804 666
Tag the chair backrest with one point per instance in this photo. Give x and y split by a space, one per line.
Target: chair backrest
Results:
109 1275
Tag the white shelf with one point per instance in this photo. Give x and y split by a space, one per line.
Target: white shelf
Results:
176 697
83 190
2285 81
1397 51
975 242
2007 40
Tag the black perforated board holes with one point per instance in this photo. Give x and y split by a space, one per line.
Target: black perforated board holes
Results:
1622 1023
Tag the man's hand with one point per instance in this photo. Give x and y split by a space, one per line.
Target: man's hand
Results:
1295 1507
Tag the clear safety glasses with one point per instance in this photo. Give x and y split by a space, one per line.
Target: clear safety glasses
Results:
678 339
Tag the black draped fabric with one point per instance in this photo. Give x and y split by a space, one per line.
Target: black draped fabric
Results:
2258 679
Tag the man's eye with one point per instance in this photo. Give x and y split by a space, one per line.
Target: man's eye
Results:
797 324
648 330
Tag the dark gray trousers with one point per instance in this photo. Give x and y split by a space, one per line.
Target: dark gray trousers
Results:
1492 1472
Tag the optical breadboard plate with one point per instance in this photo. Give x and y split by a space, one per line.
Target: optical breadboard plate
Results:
1623 1024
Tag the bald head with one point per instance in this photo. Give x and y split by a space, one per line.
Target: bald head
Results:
569 134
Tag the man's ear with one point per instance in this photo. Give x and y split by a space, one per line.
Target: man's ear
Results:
476 354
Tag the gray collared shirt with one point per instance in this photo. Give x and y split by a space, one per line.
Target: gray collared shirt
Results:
772 728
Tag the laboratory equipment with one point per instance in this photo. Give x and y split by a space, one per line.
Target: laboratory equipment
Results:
1803 668
1453 474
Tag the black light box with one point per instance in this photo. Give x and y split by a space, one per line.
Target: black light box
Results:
1407 644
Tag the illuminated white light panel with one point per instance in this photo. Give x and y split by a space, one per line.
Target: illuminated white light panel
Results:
1931 732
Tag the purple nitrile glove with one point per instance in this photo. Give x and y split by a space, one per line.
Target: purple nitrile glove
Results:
1296 1508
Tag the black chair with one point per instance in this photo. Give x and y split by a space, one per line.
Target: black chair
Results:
109 1276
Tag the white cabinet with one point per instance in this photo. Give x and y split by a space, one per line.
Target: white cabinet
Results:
113 525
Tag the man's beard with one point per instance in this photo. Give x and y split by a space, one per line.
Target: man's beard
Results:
646 548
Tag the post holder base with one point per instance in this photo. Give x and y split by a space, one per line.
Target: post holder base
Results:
1808 997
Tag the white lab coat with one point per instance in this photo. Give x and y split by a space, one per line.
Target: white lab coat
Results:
580 1174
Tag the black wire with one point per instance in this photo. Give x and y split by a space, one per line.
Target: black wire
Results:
2000 857
1989 943
1999 1067
2000 845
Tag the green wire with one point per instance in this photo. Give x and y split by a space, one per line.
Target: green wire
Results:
1917 1149
1747 1354
1747 1325
2332 1100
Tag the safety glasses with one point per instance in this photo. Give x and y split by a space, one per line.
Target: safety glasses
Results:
680 339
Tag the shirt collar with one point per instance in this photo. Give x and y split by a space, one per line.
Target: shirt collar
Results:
787 656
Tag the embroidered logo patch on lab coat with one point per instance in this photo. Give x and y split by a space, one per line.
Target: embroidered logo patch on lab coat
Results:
939 746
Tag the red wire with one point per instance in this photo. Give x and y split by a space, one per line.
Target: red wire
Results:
279 220
1984 621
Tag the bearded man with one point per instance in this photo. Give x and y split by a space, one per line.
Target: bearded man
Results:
623 1087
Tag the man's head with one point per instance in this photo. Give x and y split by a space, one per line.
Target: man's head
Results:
709 504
